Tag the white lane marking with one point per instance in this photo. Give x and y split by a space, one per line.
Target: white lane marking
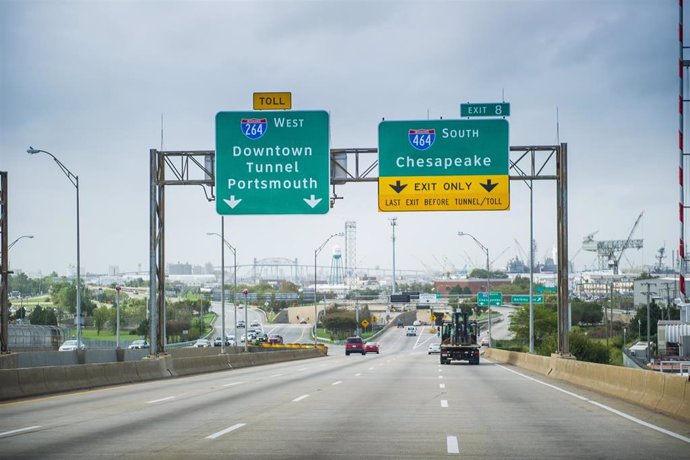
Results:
371 368
303 369
160 400
337 383
441 385
603 406
233 383
358 374
275 375
298 399
452 443
440 370
440 376
7 433
225 431
444 403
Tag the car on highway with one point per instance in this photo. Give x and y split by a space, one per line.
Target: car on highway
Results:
202 343
138 345
485 342
354 345
434 348
71 345
372 347
255 323
417 323
229 341
240 325
275 339
262 337
411 330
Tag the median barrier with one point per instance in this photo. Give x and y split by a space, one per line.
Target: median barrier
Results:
9 361
673 397
653 389
9 384
32 381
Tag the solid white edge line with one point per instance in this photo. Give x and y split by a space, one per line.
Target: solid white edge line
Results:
160 400
7 433
444 403
299 398
337 383
603 406
275 375
225 431
452 444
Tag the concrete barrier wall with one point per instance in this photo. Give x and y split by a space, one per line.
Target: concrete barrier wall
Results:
33 381
665 393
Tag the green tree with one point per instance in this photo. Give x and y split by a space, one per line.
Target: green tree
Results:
585 349
545 324
586 312
43 316
101 316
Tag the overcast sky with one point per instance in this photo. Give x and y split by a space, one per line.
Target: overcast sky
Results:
89 80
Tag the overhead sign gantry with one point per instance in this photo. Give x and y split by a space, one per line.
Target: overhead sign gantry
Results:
444 165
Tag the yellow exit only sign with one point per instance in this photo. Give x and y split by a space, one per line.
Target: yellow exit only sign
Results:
272 101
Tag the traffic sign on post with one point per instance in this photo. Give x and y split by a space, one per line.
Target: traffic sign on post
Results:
494 298
443 165
491 109
523 299
272 101
272 162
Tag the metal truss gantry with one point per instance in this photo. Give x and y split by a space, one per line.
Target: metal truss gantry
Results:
348 165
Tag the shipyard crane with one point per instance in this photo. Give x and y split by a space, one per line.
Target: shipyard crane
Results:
614 260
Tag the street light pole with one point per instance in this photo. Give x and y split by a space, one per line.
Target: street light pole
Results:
9 246
234 292
246 307
117 314
394 222
488 276
75 181
316 313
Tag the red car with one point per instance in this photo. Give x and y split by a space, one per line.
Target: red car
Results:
371 347
354 345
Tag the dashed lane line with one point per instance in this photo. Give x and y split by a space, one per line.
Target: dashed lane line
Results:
337 383
160 400
233 383
444 403
299 398
20 430
442 385
452 445
225 431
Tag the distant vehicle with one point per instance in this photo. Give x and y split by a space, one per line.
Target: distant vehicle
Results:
255 323
411 330
400 324
434 348
240 325
417 323
138 345
243 338
71 345
229 341
275 339
354 345
202 343
372 347
485 342
262 337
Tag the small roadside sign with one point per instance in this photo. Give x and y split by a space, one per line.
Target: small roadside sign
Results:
364 323
272 101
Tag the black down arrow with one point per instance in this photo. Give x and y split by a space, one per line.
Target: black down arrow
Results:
488 186
397 187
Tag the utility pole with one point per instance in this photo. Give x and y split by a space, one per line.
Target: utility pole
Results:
649 344
394 222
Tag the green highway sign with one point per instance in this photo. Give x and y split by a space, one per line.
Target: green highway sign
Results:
494 298
522 299
490 109
272 162
444 165
547 289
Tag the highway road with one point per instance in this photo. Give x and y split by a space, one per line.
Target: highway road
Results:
399 404
292 333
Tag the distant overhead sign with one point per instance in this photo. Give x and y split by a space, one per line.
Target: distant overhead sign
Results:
489 109
272 162
523 299
272 101
400 298
443 165
494 298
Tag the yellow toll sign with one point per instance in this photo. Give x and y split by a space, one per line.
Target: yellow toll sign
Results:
272 101
444 193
